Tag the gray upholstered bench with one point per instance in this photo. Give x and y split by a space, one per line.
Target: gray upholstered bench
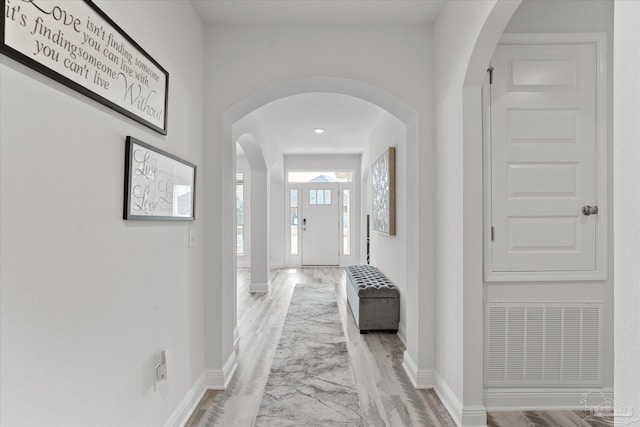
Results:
373 298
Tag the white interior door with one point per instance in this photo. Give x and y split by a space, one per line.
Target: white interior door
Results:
544 158
320 224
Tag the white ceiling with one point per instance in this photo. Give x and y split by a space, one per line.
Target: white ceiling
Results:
291 122
318 11
347 120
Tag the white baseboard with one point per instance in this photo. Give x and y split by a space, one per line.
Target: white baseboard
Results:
449 399
261 288
229 369
211 379
277 264
420 378
474 416
410 368
181 414
214 379
236 338
544 399
402 333
464 416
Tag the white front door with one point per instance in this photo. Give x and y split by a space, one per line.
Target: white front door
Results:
320 224
544 159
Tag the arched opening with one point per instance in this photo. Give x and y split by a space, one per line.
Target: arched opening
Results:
473 325
374 95
472 30
259 212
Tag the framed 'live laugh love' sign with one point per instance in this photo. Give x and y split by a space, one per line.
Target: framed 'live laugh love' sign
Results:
157 185
77 44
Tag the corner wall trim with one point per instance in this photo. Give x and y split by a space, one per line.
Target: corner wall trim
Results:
188 404
236 338
474 416
545 399
261 288
229 369
213 379
210 379
402 333
420 378
449 399
466 416
410 368
218 379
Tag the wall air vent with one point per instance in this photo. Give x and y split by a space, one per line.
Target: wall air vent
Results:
543 344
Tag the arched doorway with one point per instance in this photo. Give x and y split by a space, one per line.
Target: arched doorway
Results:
366 92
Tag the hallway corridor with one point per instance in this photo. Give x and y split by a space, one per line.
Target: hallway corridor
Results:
386 395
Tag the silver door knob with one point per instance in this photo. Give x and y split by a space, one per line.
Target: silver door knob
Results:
589 210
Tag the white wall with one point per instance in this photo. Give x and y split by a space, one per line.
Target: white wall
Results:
389 253
627 203
277 214
464 37
455 34
394 59
570 16
89 300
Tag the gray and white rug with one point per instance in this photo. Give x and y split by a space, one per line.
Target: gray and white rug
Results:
311 382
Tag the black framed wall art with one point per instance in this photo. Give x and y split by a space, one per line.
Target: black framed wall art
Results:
157 185
78 45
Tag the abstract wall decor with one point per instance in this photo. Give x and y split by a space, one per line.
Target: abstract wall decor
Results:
383 178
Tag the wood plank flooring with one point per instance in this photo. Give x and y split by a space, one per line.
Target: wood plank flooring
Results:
386 395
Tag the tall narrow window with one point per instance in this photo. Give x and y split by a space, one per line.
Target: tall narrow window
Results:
346 222
293 220
240 212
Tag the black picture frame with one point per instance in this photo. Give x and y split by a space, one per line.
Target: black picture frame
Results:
60 33
152 180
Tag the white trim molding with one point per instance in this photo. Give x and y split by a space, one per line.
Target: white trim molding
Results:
420 378
474 416
602 143
543 399
236 338
449 399
188 404
210 379
218 379
410 368
402 333
260 288
467 416
229 369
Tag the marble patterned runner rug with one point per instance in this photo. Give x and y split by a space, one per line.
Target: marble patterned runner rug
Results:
311 381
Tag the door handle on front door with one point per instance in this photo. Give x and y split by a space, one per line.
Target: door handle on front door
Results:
304 224
589 210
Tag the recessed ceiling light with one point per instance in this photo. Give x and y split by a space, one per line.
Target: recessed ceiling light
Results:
318 130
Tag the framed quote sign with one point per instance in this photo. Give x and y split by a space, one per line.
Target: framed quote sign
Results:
157 185
77 44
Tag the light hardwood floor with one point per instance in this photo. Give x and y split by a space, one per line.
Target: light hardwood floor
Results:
386 395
